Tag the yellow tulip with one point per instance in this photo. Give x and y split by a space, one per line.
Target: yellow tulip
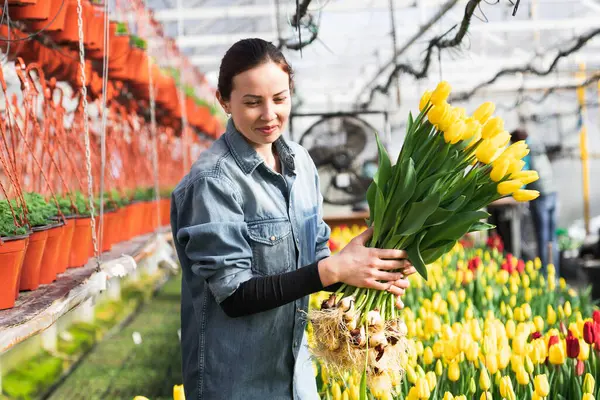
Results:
441 93
424 100
487 152
438 349
431 379
510 328
346 395
589 383
473 351
475 138
500 169
556 354
550 315
584 350
522 376
524 195
541 385
529 367
472 127
439 368
501 139
527 310
411 375
438 113
508 187
567 308
178 393
517 150
536 397
503 357
423 391
515 166
428 356
526 177
412 394
484 380
454 371
336 391
448 396
506 387
486 396
588 396
492 127
455 132
140 398
450 350
461 397
484 112
491 362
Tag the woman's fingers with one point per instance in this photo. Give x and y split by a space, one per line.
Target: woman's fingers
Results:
390 277
409 270
399 303
391 265
391 254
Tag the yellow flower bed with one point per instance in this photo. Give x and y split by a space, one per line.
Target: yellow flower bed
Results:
486 326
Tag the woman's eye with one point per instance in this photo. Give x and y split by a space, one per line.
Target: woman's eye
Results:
252 103
280 99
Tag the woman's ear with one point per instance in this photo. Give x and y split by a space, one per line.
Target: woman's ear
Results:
224 104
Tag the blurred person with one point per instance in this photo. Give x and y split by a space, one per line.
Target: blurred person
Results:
544 209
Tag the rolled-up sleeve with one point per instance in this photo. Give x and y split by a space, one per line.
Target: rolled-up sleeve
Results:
213 234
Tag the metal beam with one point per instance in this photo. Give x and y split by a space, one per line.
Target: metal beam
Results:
538 25
198 13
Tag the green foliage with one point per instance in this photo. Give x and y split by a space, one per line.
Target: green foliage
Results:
7 223
33 377
122 29
40 213
143 194
165 193
138 42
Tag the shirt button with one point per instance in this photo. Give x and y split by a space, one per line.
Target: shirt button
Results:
297 240
273 238
296 343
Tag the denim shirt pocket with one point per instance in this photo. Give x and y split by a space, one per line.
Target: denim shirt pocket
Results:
272 246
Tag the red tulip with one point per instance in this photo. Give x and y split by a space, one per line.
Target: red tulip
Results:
552 340
536 335
588 332
572 346
596 316
521 266
474 263
580 368
597 335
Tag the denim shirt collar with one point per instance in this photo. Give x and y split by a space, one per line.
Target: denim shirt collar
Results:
246 156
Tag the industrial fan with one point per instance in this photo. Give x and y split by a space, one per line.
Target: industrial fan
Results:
344 150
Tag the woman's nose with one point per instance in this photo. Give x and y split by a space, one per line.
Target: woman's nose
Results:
268 112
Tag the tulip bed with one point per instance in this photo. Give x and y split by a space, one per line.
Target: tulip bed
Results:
485 326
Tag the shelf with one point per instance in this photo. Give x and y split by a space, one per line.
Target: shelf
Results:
37 310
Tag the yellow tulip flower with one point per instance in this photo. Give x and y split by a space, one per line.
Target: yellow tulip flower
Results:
515 166
500 169
529 367
584 350
589 383
484 380
438 113
448 396
423 391
424 100
492 127
484 112
509 187
567 308
588 396
441 93
501 139
428 356
503 357
557 355
541 385
487 152
336 391
526 177
412 394
475 138
517 150
486 396
524 195
550 315
473 352
454 371
178 393
431 379
491 362
411 375
506 387
439 368
510 328
522 376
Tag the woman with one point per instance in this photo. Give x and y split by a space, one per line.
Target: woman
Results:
253 245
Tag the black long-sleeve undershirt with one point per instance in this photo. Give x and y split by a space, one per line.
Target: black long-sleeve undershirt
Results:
265 293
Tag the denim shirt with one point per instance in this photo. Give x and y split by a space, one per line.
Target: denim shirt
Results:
234 218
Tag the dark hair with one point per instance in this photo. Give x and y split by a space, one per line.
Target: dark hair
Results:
245 55
518 134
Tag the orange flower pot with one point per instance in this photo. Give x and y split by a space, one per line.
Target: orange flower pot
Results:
12 252
66 240
82 240
30 273
57 13
165 212
70 31
111 227
40 11
49 267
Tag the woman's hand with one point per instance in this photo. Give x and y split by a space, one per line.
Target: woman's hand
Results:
361 266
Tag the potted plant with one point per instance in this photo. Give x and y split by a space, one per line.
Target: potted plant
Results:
82 238
13 243
119 48
68 209
39 214
58 14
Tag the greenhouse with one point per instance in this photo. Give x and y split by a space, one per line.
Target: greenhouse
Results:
300 199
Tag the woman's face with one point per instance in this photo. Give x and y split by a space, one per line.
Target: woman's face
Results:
260 103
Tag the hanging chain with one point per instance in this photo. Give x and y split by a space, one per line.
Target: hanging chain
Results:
153 131
86 129
104 122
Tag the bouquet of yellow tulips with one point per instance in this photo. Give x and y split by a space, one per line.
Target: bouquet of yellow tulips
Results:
450 167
